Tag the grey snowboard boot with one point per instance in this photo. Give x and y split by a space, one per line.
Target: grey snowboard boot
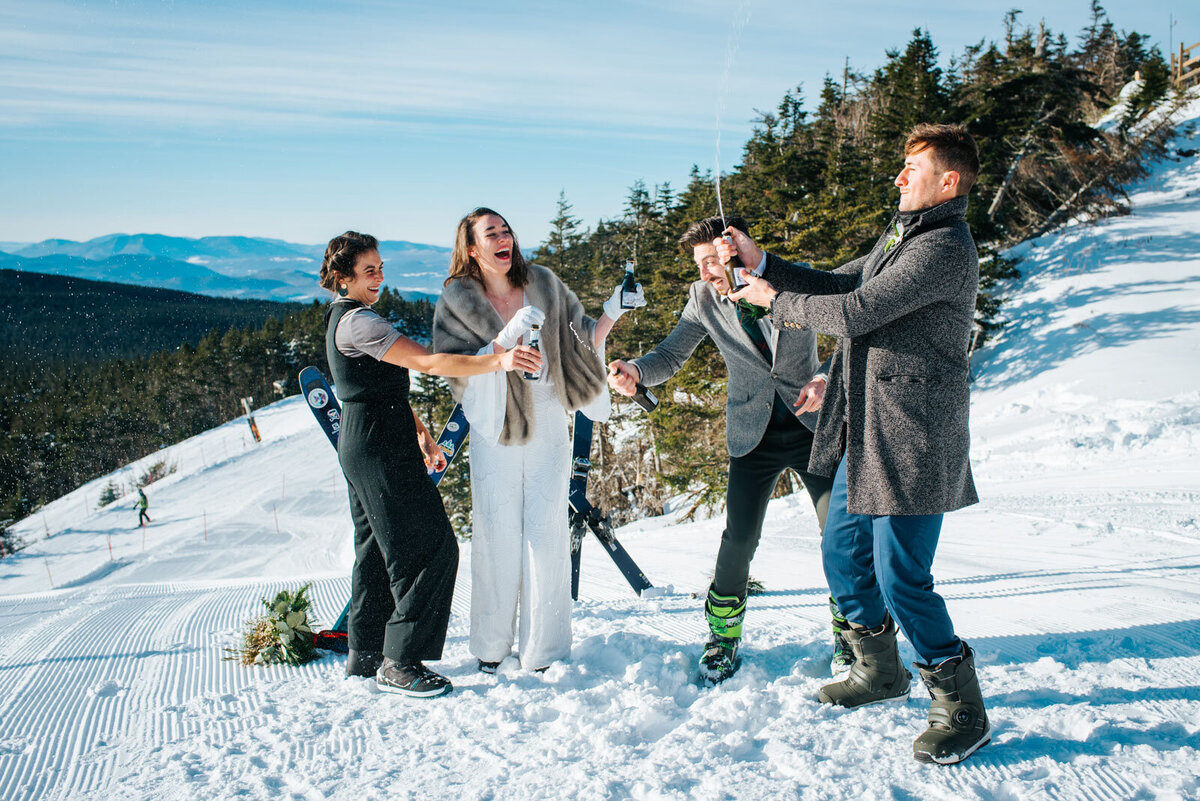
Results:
958 723
877 673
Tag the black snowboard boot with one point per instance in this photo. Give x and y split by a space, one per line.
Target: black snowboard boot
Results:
843 656
725 614
363 663
414 680
877 673
958 723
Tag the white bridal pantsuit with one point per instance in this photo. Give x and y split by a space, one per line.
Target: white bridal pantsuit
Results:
520 544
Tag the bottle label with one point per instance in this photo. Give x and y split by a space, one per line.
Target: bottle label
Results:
629 290
534 339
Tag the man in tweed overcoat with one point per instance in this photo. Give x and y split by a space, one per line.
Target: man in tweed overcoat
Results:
893 430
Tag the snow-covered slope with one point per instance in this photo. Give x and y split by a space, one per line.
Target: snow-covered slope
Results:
1077 579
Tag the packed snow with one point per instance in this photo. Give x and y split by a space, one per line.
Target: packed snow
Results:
1075 579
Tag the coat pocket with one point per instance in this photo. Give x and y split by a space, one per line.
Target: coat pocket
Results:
909 378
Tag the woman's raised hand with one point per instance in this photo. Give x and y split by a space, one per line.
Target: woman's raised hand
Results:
521 358
525 318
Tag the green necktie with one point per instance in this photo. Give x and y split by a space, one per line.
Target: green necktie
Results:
749 320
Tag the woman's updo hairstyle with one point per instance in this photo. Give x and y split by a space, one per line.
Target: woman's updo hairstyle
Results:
342 254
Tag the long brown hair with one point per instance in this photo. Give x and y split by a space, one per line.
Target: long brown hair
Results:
463 265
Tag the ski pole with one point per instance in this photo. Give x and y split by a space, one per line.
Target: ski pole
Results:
47 561
110 556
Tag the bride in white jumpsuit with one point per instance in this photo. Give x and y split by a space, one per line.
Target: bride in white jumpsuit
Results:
520 450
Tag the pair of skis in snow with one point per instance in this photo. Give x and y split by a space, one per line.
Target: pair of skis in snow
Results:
583 515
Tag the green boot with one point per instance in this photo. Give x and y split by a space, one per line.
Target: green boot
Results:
958 723
725 614
877 673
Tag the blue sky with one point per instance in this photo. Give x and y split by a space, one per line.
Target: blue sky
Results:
301 119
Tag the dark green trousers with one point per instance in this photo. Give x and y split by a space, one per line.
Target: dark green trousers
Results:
786 443
406 556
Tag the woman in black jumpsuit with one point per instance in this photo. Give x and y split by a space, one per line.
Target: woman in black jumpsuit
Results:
406 555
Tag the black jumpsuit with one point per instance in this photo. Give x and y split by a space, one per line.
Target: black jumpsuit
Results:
406 556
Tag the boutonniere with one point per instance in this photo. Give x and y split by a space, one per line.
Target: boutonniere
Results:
895 238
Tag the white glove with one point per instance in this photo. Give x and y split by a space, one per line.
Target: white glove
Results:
612 306
525 318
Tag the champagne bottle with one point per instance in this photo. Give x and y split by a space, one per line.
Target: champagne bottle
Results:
629 288
733 267
645 398
535 336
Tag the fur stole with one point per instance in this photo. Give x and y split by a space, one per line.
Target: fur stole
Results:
464 321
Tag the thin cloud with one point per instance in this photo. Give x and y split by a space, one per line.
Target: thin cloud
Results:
449 78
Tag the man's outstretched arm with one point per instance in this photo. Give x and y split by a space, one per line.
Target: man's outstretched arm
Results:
920 276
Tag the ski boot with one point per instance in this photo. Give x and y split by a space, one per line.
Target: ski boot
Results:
877 673
414 680
725 614
843 655
958 723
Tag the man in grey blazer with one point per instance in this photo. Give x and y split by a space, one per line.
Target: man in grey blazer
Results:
769 370
893 431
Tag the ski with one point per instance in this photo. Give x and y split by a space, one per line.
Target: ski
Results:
584 516
322 402
328 412
454 433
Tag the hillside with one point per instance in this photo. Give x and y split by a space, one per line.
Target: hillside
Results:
1075 579
52 317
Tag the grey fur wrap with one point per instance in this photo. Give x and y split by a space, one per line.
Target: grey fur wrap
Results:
465 320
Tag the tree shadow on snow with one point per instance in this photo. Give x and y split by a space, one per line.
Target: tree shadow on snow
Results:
114 657
1102 696
1030 347
1075 648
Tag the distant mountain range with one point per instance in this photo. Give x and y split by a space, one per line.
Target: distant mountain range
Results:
222 266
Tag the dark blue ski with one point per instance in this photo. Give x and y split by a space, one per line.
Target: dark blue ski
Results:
322 402
584 516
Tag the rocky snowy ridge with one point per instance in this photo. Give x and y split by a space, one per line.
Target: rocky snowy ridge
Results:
1075 578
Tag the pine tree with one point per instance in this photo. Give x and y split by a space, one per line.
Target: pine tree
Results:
564 235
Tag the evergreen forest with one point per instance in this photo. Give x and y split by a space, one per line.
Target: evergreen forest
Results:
71 414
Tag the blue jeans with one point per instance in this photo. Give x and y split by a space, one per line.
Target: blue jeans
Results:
876 564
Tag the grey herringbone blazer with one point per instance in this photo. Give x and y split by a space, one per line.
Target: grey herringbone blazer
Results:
900 380
750 393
